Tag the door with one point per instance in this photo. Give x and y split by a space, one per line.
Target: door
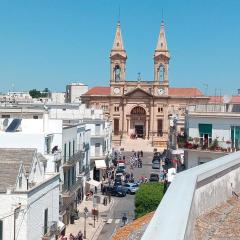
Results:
139 130
97 149
97 129
116 126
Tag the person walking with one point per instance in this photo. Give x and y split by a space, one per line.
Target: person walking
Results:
141 153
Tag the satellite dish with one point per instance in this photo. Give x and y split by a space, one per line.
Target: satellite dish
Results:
226 99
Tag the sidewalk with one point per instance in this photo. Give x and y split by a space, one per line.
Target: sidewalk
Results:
91 232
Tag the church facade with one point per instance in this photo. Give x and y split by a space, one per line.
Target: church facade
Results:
142 108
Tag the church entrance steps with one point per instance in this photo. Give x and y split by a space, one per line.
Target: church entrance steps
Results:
137 145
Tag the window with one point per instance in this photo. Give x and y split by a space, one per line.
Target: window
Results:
5 116
116 109
20 182
97 129
35 117
1 230
45 227
161 72
160 109
117 73
159 127
97 149
73 176
205 133
65 152
73 147
69 149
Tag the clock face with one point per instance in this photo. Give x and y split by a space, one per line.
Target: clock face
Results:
160 91
116 90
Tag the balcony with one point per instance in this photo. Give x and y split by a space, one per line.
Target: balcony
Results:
72 160
98 135
69 191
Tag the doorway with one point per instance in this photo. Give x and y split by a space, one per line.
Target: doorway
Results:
139 131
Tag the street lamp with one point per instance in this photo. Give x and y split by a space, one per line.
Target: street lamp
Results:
85 222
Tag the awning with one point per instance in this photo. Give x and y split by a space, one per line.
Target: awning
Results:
205 128
93 183
100 164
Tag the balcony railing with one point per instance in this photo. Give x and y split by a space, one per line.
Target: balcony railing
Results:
68 191
70 161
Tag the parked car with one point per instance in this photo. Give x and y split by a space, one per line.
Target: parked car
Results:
131 187
156 165
118 191
154 177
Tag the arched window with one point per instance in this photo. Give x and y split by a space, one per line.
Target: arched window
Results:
138 111
117 73
161 72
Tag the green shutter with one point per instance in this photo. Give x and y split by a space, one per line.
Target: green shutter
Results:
1 230
205 129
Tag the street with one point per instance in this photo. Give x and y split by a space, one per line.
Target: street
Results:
125 205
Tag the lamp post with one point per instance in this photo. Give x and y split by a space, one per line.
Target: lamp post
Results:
85 222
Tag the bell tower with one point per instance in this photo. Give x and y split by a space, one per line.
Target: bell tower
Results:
161 58
118 57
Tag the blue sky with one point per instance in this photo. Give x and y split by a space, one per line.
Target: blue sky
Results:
49 43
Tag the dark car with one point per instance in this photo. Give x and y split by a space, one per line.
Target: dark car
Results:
156 165
154 177
118 191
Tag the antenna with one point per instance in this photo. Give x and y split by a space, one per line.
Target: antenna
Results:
162 14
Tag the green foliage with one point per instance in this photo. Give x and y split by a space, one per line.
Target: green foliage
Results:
148 197
34 93
214 144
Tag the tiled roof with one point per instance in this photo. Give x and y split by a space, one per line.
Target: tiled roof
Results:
235 99
10 161
220 99
185 92
215 99
99 91
220 223
133 230
182 92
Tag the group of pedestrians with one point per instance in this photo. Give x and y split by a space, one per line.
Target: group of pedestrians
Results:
79 236
135 160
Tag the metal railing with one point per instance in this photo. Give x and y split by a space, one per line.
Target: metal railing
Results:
71 189
76 157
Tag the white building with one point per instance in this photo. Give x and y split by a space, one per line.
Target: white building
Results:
74 92
206 123
29 197
58 144
57 97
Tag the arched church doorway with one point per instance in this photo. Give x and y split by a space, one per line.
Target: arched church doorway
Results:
138 121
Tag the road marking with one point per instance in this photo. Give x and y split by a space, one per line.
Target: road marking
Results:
117 221
109 220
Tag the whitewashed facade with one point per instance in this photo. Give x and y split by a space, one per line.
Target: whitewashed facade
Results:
207 123
30 199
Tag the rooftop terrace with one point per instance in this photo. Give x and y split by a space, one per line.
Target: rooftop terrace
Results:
194 193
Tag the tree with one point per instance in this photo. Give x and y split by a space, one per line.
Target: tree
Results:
34 93
148 197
